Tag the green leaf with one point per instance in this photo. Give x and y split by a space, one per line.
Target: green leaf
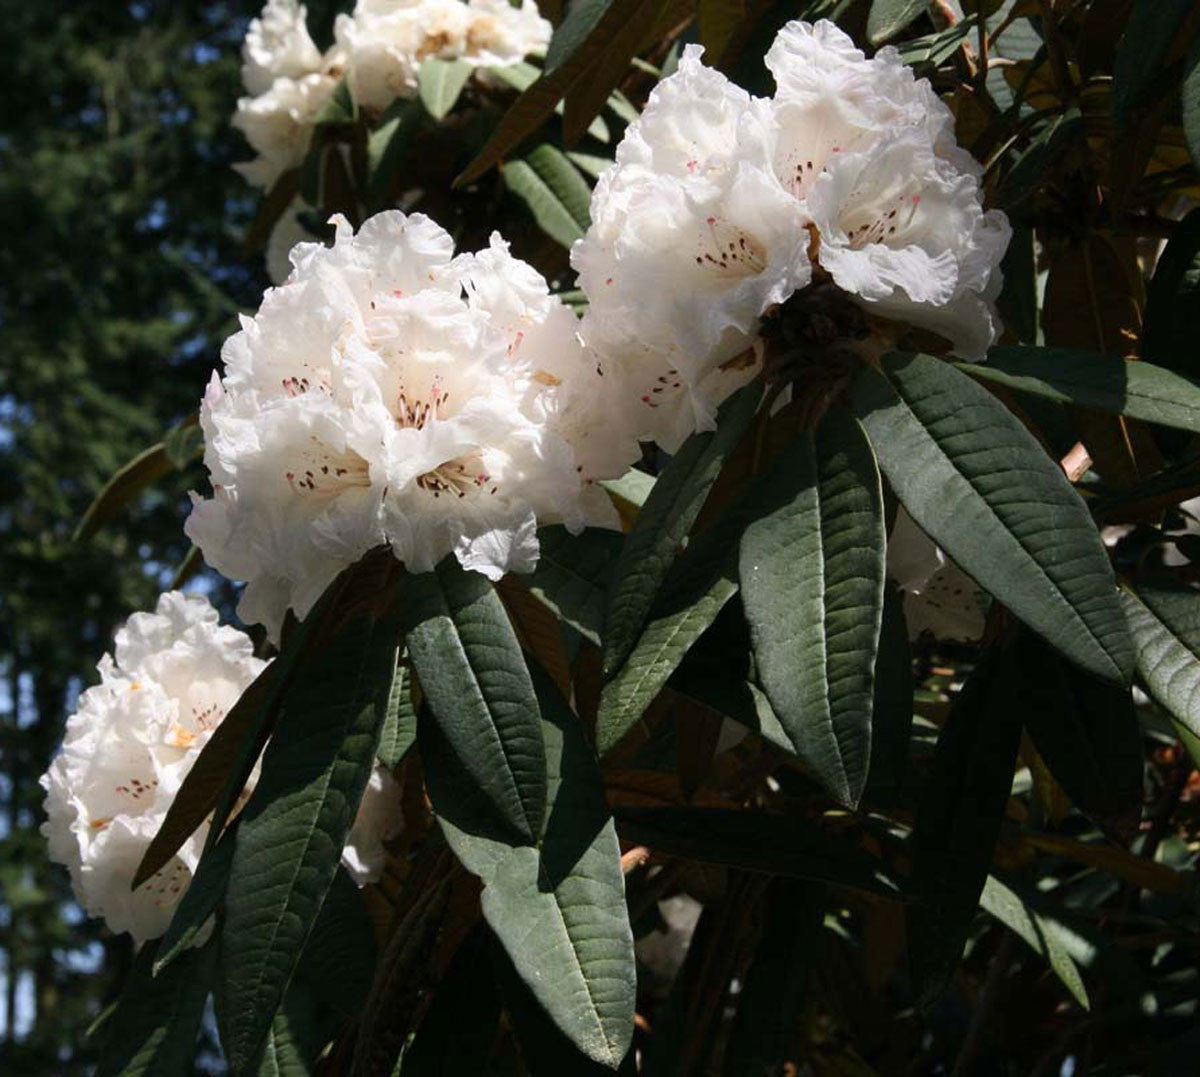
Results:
341 108
572 575
1172 321
476 684
1042 932
1087 732
1018 301
439 83
292 830
293 1042
718 22
769 1030
558 909
664 521
1190 102
892 708
387 147
536 103
932 50
457 1031
755 841
975 480
555 192
338 964
400 723
1165 623
1142 52
889 17
958 819
812 575
199 902
1046 151
152 1032
1132 388
178 448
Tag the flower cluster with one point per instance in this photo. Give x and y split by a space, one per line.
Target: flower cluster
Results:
173 676
391 393
722 205
378 48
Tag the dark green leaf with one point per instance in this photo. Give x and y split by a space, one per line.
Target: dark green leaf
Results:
1135 389
892 710
755 841
1165 623
476 685
572 575
387 146
664 521
1087 732
1190 102
1041 931
958 819
293 1042
456 1034
292 830
152 1032
975 480
769 1031
1045 152
199 902
1172 323
400 723
184 443
889 17
812 575
1018 302
339 958
559 908
1142 52
439 83
582 18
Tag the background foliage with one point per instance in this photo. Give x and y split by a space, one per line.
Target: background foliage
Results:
1014 891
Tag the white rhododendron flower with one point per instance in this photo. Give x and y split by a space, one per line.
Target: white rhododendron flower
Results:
391 393
278 45
939 598
869 152
173 676
378 820
385 41
692 239
722 205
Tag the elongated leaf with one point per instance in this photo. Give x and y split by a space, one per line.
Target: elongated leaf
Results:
1172 322
555 192
457 1031
889 17
1190 102
536 103
958 820
977 482
718 22
474 679
769 1030
588 95
581 19
199 902
558 909
1138 390
293 1041
892 708
812 576
1165 623
1043 154
387 145
665 519
1044 934
572 575
154 1027
439 83
178 449
1087 732
292 830
341 108
399 731
1143 51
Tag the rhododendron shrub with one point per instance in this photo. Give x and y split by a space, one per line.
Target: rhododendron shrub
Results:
754 504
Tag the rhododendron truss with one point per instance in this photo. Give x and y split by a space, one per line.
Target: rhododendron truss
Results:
171 679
